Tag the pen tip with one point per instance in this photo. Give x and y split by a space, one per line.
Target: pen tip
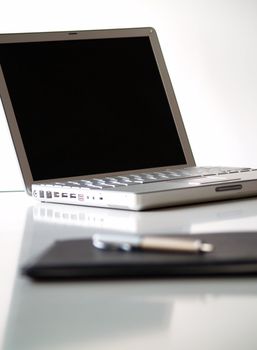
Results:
206 247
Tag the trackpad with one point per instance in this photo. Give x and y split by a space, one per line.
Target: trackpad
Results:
213 179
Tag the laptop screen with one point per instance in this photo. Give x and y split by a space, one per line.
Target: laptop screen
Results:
90 106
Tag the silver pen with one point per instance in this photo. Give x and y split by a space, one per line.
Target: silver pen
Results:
158 243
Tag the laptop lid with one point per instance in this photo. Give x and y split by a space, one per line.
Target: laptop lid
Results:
90 103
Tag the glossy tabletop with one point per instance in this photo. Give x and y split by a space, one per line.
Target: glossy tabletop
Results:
173 313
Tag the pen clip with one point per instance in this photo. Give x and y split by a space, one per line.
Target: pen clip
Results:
114 242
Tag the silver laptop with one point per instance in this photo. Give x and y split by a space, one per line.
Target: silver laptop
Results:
95 122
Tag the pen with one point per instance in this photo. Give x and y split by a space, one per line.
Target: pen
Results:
157 243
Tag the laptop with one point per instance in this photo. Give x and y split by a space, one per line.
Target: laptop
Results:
95 122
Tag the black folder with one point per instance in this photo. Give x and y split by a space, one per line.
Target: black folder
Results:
233 254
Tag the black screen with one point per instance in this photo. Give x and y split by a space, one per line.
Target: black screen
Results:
90 106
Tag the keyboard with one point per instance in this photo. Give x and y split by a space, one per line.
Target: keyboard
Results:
150 177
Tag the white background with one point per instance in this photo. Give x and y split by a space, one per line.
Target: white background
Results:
210 47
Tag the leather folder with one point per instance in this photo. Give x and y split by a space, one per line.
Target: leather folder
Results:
233 254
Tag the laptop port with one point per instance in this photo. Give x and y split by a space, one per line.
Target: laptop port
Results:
64 195
56 194
41 194
48 194
72 195
81 197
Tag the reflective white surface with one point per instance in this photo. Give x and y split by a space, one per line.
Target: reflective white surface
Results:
198 313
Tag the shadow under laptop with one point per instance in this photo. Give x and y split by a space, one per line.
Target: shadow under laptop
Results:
152 314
